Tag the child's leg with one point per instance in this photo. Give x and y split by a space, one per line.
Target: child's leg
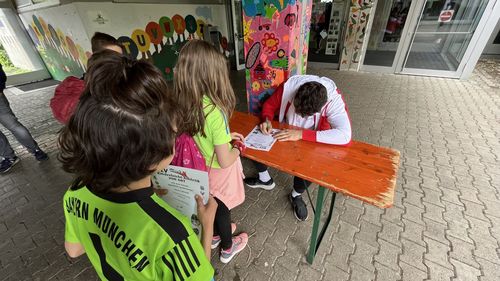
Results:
298 204
222 225
263 181
299 186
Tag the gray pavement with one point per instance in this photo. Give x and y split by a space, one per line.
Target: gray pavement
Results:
444 225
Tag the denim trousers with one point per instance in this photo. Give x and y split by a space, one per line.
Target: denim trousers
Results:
9 121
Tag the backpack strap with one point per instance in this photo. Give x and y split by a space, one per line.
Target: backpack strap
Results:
211 161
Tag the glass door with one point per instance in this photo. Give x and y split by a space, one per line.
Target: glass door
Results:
237 15
388 29
442 36
327 22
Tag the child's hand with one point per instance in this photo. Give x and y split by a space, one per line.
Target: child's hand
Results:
289 135
237 136
160 191
206 213
240 146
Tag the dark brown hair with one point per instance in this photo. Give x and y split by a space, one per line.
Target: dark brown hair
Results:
201 70
310 98
123 125
101 40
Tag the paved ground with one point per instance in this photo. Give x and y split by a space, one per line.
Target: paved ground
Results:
445 223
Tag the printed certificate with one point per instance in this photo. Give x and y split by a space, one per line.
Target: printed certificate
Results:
257 140
178 186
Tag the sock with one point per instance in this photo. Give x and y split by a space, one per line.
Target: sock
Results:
295 193
264 176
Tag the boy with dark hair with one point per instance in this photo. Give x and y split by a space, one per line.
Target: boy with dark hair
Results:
101 41
314 104
68 93
9 121
122 132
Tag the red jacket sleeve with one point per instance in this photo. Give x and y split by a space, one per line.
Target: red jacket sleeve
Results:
272 104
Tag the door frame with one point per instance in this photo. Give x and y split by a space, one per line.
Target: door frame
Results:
343 25
236 36
402 43
474 48
480 38
493 49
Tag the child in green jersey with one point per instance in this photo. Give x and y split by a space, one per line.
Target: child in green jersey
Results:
122 131
206 99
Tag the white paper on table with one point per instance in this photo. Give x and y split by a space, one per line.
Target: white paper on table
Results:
181 185
257 140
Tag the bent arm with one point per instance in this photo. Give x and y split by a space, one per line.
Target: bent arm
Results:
225 155
74 250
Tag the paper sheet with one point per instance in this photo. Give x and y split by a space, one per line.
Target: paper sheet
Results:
257 140
323 34
179 187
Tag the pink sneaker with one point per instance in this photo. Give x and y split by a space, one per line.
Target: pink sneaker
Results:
239 243
216 239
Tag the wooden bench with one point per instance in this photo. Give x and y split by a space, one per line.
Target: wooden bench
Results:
362 171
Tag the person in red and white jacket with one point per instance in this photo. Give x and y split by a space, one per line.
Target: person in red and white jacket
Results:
314 104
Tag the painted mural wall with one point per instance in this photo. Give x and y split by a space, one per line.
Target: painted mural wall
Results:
356 39
275 38
60 39
155 32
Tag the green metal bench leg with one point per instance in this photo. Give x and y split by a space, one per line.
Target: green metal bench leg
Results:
315 238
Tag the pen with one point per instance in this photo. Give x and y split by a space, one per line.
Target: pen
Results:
268 124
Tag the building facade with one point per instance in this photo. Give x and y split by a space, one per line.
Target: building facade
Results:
417 37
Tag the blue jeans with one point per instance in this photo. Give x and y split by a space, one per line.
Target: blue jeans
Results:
9 121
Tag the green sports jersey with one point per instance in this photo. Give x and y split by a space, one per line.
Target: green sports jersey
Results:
216 131
134 236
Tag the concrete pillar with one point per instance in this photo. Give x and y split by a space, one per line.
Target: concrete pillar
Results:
276 37
356 39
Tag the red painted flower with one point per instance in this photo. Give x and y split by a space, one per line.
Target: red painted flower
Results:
270 42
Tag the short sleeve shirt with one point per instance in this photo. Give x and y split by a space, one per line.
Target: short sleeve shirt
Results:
216 131
134 236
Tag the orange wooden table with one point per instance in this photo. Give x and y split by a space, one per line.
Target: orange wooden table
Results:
362 171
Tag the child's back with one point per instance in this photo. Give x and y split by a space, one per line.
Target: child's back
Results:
207 101
151 242
122 131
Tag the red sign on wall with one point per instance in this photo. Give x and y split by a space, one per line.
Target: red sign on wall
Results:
446 15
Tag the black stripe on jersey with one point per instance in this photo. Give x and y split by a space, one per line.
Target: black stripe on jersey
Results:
181 245
166 220
169 265
107 270
193 254
181 278
181 261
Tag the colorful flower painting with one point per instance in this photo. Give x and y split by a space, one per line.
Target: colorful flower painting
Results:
275 39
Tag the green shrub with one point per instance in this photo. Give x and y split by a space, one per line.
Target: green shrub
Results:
4 58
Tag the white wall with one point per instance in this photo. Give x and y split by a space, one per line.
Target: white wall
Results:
121 19
14 40
66 18
61 58
80 20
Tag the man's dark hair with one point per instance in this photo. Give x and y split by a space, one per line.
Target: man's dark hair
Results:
124 124
310 98
101 40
